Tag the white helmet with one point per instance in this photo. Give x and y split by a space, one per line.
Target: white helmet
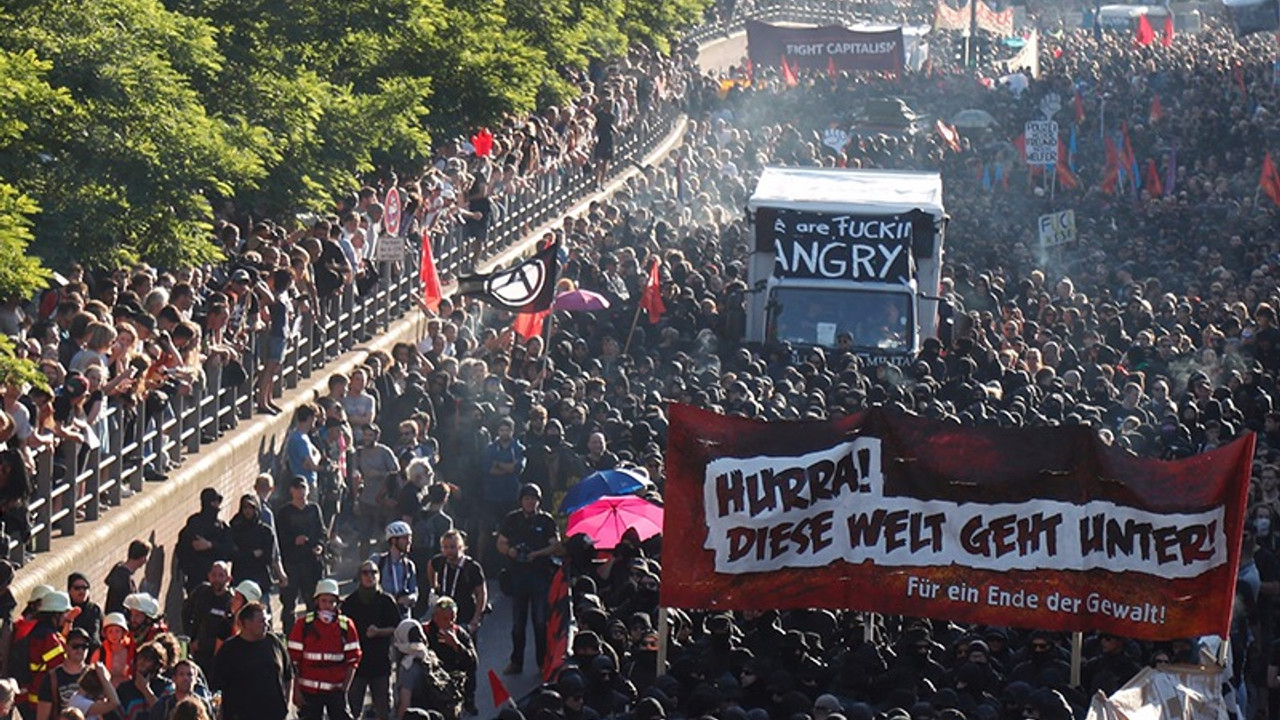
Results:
327 586
37 594
56 601
115 619
251 591
143 603
399 528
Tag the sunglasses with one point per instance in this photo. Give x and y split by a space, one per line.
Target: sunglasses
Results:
368 572
79 587
1039 646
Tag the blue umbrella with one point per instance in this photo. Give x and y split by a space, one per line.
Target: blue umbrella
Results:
602 483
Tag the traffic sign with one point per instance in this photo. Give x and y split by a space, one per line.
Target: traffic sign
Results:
391 212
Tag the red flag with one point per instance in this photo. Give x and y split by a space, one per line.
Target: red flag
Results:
557 626
1145 34
788 75
1166 38
499 689
1270 180
651 300
1079 104
1155 187
431 292
529 324
831 67
1157 110
482 142
1111 172
750 69
1066 178
1020 143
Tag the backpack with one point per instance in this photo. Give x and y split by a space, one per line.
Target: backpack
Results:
439 690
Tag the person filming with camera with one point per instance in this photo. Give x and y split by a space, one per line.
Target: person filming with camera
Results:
528 537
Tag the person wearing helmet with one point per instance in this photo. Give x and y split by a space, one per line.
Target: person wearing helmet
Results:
116 652
45 649
398 572
528 537
145 622
325 648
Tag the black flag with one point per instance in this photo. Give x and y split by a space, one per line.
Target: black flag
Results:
527 287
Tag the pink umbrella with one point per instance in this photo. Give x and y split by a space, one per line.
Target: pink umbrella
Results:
606 519
580 301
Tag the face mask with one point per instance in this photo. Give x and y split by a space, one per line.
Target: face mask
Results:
1263 526
327 615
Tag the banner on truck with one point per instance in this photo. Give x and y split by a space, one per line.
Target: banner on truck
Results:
819 48
887 512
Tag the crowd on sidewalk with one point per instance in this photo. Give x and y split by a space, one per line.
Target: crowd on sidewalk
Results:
436 467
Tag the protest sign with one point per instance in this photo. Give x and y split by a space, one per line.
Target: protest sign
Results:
894 513
819 48
1057 229
1042 142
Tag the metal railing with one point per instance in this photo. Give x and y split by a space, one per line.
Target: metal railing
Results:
74 483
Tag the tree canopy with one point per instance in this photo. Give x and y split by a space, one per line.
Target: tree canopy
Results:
124 123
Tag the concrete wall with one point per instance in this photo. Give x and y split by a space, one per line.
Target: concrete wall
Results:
160 511
233 462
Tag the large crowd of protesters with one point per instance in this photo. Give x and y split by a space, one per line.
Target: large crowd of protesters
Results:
429 472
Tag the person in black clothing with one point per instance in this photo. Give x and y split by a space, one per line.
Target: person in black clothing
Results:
120 583
253 670
1109 671
603 154
454 574
88 614
376 616
255 543
455 648
302 537
206 617
529 537
204 539
475 221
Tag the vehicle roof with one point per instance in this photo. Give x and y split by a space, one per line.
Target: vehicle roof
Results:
836 190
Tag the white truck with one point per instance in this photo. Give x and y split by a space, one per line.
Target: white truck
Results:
846 260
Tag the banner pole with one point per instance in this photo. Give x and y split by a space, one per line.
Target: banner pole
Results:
868 628
1077 652
664 627
631 333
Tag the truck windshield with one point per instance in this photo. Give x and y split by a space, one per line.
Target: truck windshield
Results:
830 317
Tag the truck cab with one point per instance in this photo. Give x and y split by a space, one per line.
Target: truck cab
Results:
846 260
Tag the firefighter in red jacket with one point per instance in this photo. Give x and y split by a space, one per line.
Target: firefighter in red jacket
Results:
325 649
46 649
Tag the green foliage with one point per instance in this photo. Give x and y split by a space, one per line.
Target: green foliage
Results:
21 275
128 121
19 371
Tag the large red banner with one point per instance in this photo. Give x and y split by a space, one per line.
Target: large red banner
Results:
889 512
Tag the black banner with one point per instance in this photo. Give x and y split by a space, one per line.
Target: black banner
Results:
836 246
526 287
817 48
